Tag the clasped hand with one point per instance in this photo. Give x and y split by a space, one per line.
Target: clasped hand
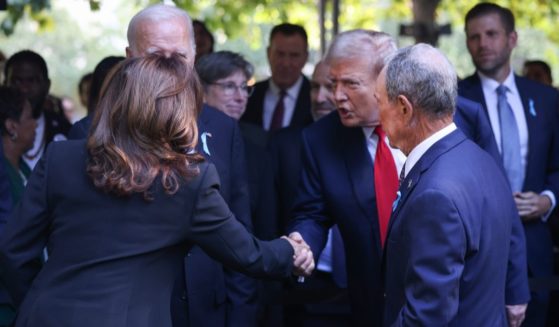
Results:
303 260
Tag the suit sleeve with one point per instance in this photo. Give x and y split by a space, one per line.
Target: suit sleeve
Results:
436 242
25 235
214 228
309 216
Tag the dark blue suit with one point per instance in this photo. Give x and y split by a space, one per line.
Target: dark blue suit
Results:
217 296
540 104
337 187
115 259
472 120
214 296
5 195
448 240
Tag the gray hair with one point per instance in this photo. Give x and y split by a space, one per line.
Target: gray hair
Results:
222 64
157 13
359 43
425 77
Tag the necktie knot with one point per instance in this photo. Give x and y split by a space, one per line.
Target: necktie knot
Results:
502 90
380 132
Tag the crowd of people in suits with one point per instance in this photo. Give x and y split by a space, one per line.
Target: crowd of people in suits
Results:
407 197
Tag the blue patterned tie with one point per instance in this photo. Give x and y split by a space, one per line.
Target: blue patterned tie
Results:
510 141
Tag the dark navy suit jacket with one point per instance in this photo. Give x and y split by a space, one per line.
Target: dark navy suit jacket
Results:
214 296
255 106
337 187
114 260
542 171
5 195
217 296
448 240
472 120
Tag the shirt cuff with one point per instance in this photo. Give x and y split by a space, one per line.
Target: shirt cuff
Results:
551 197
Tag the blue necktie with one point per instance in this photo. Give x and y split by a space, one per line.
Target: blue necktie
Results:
510 141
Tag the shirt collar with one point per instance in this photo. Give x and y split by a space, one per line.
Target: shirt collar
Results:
291 92
490 85
422 147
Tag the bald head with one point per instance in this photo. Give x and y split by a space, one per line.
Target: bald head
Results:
163 29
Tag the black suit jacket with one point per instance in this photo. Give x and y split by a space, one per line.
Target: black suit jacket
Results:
255 106
214 296
5 195
217 296
113 260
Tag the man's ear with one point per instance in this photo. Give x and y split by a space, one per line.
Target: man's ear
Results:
405 106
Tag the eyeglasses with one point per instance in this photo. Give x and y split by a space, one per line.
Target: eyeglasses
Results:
230 88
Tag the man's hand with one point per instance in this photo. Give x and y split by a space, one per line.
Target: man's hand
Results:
531 205
516 314
303 260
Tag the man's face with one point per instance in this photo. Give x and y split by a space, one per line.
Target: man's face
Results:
287 56
353 86
390 117
489 44
27 78
165 37
321 94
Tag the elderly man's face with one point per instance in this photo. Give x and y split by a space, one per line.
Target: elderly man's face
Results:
321 94
353 84
165 37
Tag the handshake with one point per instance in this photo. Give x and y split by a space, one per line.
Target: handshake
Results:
303 260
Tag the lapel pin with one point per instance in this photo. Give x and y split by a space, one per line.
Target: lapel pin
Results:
532 108
409 183
204 137
395 203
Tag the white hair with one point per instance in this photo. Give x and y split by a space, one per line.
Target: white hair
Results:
359 43
158 13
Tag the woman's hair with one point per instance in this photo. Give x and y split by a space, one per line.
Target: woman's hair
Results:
222 64
11 106
145 126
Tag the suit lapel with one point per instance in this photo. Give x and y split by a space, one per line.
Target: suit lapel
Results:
529 105
360 169
426 161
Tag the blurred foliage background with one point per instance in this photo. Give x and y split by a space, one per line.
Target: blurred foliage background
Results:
74 35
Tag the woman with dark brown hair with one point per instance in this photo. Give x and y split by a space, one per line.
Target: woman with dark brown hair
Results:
118 214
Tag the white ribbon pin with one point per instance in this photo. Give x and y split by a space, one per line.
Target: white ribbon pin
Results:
204 137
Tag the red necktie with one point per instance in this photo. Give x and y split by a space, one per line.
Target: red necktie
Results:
386 182
277 118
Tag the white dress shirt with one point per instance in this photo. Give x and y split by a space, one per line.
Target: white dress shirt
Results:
289 101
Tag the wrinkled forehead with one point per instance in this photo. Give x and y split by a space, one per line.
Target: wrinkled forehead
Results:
165 37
